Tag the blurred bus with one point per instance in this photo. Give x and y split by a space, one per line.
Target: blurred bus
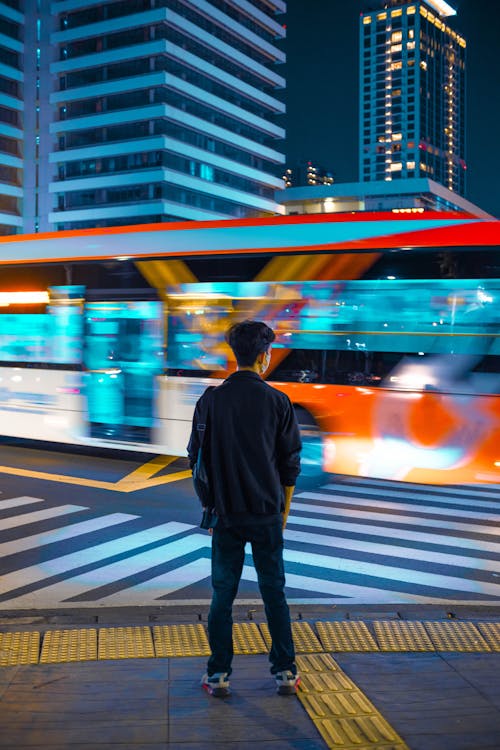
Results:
388 336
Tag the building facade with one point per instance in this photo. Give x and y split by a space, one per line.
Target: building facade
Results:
12 114
307 173
140 111
412 195
412 94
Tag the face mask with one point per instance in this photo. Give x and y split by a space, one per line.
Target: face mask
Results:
265 362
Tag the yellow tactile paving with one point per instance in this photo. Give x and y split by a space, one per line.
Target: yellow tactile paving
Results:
60 646
491 634
247 639
456 636
361 732
316 663
19 648
395 635
125 643
326 682
181 640
304 638
341 712
347 703
345 636
69 645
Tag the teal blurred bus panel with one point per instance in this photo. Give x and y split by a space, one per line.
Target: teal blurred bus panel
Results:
123 353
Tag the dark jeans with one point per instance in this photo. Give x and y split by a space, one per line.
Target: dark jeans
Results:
228 554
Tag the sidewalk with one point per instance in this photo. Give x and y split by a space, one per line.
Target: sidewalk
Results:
429 700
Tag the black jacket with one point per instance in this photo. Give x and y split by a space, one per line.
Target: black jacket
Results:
253 448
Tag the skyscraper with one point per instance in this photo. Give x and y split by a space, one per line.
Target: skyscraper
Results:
11 117
139 111
412 94
307 173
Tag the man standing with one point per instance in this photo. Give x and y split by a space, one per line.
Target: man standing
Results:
254 460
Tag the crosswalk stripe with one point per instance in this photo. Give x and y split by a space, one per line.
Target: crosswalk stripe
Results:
66 563
390 505
38 515
389 532
63 533
93 579
360 484
408 553
16 502
404 495
162 585
399 574
343 592
355 513
395 528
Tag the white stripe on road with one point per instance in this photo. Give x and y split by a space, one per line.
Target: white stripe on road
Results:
63 533
389 505
399 574
403 494
360 485
374 548
346 592
162 585
38 515
15 502
58 565
364 515
92 579
389 532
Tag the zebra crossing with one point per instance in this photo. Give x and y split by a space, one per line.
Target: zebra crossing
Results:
348 541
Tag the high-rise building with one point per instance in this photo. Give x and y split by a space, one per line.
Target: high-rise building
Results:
412 94
138 111
307 173
11 117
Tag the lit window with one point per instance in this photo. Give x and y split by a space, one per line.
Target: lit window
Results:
423 12
397 136
381 16
396 36
411 34
411 45
423 65
396 13
367 19
396 65
396 48
396 167
410 165
411 10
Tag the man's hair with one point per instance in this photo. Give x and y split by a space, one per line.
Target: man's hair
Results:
248 340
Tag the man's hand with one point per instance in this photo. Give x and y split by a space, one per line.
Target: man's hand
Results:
288 502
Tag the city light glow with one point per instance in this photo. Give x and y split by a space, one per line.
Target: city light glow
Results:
23 298
441 7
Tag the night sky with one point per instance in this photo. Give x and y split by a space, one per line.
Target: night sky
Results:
322 89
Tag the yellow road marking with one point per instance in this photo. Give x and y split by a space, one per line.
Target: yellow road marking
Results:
147 470
127 484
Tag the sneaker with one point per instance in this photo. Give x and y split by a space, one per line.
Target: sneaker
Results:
287 682
217 684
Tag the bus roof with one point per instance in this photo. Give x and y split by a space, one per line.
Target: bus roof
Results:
284 234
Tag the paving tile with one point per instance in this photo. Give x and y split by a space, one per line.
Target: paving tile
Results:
94 732
247 730
81 744
281 744
266 717
463 741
